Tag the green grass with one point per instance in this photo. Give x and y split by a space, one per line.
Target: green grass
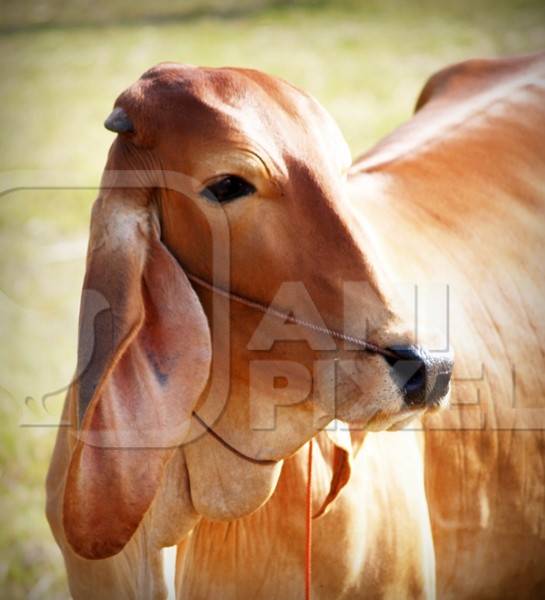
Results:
62 66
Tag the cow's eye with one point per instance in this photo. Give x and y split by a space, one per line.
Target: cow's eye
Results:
227 188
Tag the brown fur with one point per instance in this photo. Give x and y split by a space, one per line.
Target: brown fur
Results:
464 184
374 540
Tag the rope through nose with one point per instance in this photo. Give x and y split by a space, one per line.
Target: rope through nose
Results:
289 318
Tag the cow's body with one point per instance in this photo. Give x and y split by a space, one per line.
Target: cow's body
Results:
457 196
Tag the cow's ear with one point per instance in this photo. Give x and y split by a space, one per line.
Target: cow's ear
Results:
143 362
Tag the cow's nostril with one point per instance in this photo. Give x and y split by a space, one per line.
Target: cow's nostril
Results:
416 382
409 372
423 377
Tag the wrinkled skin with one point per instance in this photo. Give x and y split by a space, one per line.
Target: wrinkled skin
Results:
374 540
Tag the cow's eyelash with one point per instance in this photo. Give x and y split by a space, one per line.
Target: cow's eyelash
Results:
228 188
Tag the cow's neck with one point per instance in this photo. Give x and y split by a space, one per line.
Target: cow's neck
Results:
490 256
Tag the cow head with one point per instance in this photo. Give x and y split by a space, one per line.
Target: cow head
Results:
225 180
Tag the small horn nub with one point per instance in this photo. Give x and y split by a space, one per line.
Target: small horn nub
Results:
119 121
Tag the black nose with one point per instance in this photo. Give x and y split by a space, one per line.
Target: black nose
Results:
423 377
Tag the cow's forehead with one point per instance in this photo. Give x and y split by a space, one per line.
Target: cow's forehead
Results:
261 106
224 88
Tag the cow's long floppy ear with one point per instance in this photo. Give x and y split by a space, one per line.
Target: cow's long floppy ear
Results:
144 359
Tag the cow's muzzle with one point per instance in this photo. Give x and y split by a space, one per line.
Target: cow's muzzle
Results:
423 377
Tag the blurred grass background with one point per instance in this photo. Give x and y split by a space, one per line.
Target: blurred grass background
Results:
62 65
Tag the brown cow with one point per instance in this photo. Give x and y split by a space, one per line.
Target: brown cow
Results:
142 473
464 184
191 409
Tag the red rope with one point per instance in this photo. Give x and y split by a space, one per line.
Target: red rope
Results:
308 541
